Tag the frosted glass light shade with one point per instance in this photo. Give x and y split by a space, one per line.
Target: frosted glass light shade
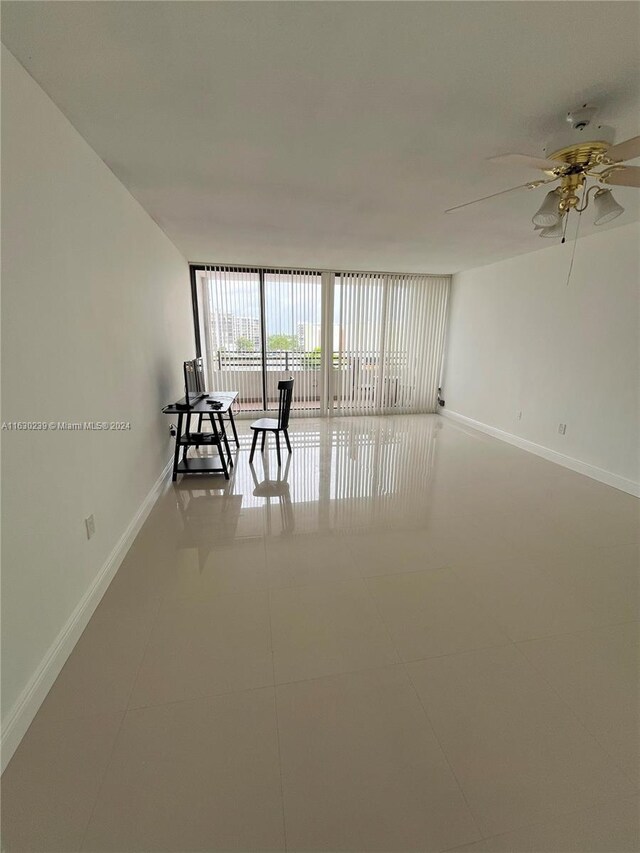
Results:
554 231
606 207
548 213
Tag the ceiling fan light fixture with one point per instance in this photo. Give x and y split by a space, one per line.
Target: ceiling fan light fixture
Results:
606 207
548 214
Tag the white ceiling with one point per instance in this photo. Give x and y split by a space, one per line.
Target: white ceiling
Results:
332 134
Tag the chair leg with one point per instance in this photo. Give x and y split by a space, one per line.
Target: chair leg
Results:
253 444
277 435
286 438
264 438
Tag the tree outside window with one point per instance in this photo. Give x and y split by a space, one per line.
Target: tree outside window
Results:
245 344
282 342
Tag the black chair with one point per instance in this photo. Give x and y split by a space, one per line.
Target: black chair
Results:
265 425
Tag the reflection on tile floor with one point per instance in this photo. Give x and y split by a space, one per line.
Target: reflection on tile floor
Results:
409 637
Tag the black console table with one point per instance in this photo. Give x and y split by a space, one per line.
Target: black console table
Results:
217 437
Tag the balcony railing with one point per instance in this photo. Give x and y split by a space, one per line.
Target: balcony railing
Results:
356 376
288 360
285 360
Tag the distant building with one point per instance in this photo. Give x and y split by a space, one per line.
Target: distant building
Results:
227 329
310 336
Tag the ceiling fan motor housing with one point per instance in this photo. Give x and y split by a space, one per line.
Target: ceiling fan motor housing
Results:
580 146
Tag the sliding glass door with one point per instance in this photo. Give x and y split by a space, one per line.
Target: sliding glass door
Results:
387 342
355 343
257 327
293 334
415 321
358 323
231 339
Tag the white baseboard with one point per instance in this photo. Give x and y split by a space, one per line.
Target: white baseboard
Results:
615 480
26 706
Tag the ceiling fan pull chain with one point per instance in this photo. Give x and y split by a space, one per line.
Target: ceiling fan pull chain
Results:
575 239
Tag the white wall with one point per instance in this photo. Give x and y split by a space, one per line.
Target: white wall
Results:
520 339
96 322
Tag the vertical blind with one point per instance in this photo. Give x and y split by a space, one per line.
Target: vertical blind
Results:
355 343
231 332
293 329
388 342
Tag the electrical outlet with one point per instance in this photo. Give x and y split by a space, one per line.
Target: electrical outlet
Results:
519 415
90 524
562 428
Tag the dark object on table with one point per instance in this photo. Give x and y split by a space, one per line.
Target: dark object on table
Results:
193 381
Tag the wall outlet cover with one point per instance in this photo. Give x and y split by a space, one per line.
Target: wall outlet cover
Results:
90 524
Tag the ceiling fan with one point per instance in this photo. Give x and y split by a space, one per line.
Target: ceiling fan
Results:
571 158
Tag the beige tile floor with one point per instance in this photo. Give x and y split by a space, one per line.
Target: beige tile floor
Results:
422 640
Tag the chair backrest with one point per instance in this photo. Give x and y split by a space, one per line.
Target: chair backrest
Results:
285 387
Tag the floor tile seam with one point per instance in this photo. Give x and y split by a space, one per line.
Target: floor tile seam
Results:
474 817
383 622
143 656
277 720
204 697
599 627
571 593
342 674
318 585
314 584
544 818
619 543
206 601
117 736
403 660
102 780
578 720
122 719
165 597
614 547
438 568
477 598
550 817
427 717
473 597
579 631
460 652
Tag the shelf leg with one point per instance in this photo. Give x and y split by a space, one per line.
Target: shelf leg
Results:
176 453
225 439
233 427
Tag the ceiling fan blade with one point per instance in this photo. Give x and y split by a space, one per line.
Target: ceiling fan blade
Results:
627 177
627 150
531 185
525 160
